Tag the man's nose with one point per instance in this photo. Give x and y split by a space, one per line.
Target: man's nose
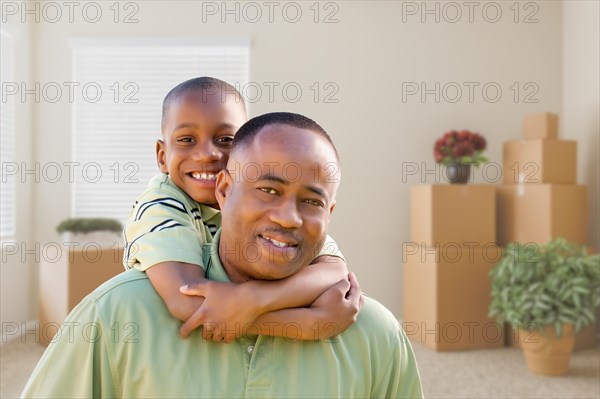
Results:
286 214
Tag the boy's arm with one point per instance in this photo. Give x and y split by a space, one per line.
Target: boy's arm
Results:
163 241
234 308
298 290
332 313
167 277
303 287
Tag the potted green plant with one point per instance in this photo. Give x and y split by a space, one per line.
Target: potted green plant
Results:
458 151
105 232
549 292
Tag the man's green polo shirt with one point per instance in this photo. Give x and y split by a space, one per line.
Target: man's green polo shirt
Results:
121 341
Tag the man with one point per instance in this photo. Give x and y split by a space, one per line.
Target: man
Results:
276 198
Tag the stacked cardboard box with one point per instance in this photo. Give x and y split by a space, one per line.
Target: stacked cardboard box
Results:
540 212
540 199
446 286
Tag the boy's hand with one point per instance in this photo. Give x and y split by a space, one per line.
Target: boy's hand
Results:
338 307
226 312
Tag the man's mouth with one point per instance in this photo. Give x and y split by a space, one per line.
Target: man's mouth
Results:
278 243
203 176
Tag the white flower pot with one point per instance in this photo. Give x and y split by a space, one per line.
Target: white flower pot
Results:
102 239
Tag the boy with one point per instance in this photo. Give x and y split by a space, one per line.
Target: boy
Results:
178 212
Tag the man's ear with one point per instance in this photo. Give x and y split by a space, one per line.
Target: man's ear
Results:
161 157
223 187
331 208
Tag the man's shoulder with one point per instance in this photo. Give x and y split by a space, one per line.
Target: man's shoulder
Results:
129 298
377 325
374 314
131 284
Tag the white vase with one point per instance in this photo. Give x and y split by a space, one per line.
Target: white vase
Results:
102 239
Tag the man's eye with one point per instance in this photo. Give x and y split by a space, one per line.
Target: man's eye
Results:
268 190
225 140
315 202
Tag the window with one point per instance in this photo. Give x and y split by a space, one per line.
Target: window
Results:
7 139
119 88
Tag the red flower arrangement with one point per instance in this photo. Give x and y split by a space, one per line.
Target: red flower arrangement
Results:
461 147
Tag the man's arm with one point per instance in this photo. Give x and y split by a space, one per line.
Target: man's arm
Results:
75 366
400 377
298 290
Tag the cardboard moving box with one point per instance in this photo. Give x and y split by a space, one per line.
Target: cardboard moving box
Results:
64 282
540 126
540 212
540 161
446 296
452 213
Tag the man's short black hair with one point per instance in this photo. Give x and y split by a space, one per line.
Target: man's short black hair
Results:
204 83
249 130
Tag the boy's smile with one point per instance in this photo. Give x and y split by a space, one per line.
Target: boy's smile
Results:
197 136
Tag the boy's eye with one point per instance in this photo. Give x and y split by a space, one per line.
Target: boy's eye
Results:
185 140
225 140
268 190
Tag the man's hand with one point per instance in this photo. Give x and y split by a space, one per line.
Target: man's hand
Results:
338 307
226 312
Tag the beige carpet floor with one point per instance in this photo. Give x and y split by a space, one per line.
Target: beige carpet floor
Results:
495 373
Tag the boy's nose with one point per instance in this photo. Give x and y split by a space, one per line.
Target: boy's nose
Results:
207 153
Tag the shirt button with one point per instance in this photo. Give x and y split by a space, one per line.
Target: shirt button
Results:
250 349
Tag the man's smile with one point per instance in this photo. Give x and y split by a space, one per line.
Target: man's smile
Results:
279 242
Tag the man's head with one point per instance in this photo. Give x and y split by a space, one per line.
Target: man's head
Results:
276 196
199 119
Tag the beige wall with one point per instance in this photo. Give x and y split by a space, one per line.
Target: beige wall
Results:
367 54
18 272
581 100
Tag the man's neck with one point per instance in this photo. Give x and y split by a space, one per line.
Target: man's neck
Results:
228 258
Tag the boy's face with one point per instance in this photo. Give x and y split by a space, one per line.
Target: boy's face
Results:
197 136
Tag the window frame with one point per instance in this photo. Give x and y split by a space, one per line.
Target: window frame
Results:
124 44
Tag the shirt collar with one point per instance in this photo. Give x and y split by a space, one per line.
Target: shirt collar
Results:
206 212
214 266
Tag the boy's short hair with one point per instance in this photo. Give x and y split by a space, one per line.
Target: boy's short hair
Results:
249 130
203 83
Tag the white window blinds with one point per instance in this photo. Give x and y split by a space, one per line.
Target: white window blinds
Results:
117 113
7 139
